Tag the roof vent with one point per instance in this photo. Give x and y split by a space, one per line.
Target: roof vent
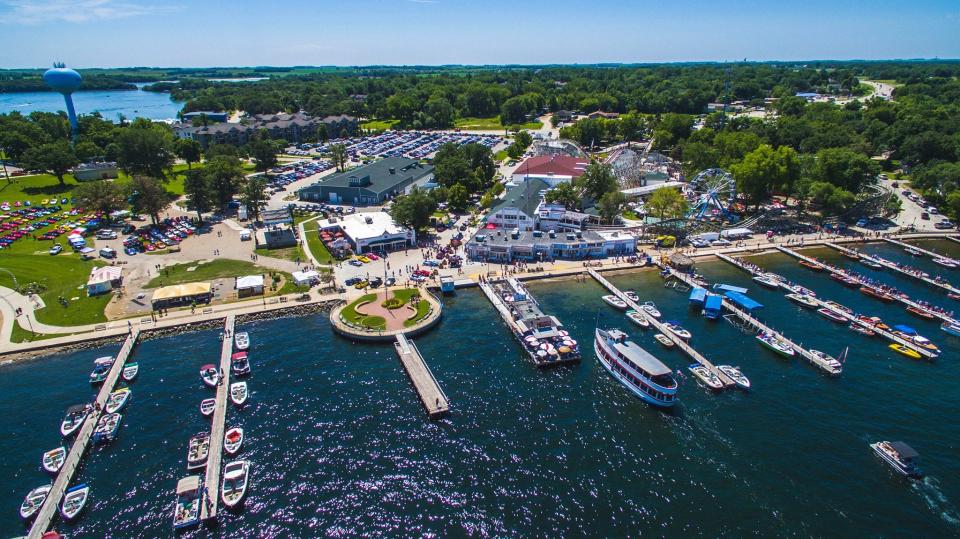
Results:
368 220
393 170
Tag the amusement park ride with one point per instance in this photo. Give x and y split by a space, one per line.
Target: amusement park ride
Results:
712 194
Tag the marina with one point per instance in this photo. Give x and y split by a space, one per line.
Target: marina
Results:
920 250
428 389
208 510
943 284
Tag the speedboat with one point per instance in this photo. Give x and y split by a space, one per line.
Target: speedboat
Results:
207 406
803 300
210 375
706 376
117 400
638 319
907 351
130 371
870 262
675 328
736 375
241 341
913 252
876 293
777 345
74 501
34 500
831 315
845 280
651 308
198 449
101 369
951 328
232 440
811 265
664 340
900 456
832 365
107 427
238 393
186 511
239 364
614 301
767 279
839 307
946 262
921 312
76 414
874 321
632 296
236 475
635 368
862 329
53 459
853 255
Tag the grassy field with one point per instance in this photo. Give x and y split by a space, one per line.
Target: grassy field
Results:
293 254
317 247
64 275
491 124
350 314
379 125
217 269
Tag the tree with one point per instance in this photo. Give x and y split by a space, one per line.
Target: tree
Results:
611 204
338 153
146 195
514 151
667 201
56 157
87 151
225 177
893 206
597 180
953 205
146 149
523 139
671 129
764 170
189 150
102 196
564 193
830 199
200 196
486 200
254 196
844 168
264 152
413 209
458 197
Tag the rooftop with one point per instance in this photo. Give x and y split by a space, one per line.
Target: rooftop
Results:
379 176
366 225
525 197
643 359
553 165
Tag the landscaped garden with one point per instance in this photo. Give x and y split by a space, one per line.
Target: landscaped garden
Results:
407 304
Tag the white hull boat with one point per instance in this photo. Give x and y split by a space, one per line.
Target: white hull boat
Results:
130 371
615 302
677 330
210 375
74 501
635 368
945 262
236 475
776 345
198 450
706 377
767 280
664 340
75 417
190 498
803 300
900 456
34 500
238 393
232 440
241 341
53 459
833 366
207 406
117 400
734 374
638 319
651 309
107 427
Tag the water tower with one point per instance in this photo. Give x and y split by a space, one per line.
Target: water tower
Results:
66 81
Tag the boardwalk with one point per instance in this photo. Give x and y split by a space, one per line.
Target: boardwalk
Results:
212 482
892 266
904 245
683 345
50 507
432 397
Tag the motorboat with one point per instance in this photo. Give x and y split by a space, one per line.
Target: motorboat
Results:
241 341
76 414
615 302
877 293
862 329
99 373
921 312
736 375
635 368
210 375
632 296
845 280
768 280
236 475
874 321
706 376
913 252
830 363
811 265
674 327
794 288
186 511
130 371
207 406
74 501
232 440
951 328
107 427
852 255
777 345
905 350
638 319
900 456
34 500
198 449
53 459
664 340
871 262
803 300
240 364
839 307
832 315
238 393
117 400
945 262
651 308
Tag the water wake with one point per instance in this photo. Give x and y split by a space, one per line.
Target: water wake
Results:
929 489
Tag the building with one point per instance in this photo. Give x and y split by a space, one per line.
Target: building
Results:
372 231
249 285
562 116
605 115
211 116
181 294
277 231
293 127
553 169
557 217
518 207
505 246
104 279
95 171
370 184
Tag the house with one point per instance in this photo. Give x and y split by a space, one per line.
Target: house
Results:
562 116
370 232
370 184
277 231
518 207
104 279
605 115
101 170
557 217
249 285
293 127
553 169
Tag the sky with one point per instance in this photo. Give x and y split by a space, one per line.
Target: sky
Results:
201 33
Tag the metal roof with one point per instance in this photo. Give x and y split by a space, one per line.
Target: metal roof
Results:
905 451
743 301
188 484
642 359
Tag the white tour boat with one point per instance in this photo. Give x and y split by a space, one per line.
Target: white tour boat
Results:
639 371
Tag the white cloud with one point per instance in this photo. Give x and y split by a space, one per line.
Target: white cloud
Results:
77 11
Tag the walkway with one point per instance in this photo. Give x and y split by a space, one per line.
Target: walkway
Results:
893 266
212 482
432 397
927 252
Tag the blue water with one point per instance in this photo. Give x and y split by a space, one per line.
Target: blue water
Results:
341 446
109 103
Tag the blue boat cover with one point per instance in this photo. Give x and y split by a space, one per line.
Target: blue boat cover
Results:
906 329
742 301
698 295
729 288
714 303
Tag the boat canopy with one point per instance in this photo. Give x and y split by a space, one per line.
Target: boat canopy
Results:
905 451
698 295
77 408
905 329
743 301
188 484
713 303
238 355
729 288
642 359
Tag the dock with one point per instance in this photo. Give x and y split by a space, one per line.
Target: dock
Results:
212 481
892 266
51 505
681 344
847 316
906 301
953 239
432 397
905 245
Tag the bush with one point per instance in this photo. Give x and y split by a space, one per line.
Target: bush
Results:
393 303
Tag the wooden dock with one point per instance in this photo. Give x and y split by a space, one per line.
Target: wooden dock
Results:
891 266
905 245
215 457
682 344
953 238
51 505
432 397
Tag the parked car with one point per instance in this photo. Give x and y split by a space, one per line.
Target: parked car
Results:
56 249
925 216
355 262
107 252
933 210
943 225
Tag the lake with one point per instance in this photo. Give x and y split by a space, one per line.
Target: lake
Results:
109 103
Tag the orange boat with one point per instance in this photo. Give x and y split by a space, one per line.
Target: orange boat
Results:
922 313
873 321
811 265
873 292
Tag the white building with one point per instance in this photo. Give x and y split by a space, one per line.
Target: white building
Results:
104 279
372 231
249 285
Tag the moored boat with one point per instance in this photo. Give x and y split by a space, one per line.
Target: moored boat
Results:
874 321
909 352
832 315
845 280
862 330
130 371
803 300
615 302
76 414
674 327
632 296
33 501
913 252
651 308
107 428
53 459
198 449
900 456
117 400
638 319
921 312
811 265
736 375
839 307
186 511
871 262
74 501
777 345
241 340
240 364
210 375
99 373
635 368
853 255
232 440
877 293
831 364
207 406
238 393
236 475
768 280
706 376
664 340
952 329
946 262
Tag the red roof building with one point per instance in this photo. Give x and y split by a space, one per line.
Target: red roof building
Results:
552 169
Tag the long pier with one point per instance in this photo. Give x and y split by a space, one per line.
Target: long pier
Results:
683 345
892 266
212 481
953 238
905 245
432 397
840 312
906 301
51 505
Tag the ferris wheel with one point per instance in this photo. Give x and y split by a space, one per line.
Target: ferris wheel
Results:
712 194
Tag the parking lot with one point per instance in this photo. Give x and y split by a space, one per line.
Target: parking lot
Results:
412 144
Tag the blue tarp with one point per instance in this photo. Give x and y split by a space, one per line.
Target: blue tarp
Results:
905 329
730 288
698 295
713 307
742 301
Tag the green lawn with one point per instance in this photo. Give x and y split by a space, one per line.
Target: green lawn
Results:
501 156
217 269
294 254
317 247
64 275
350 314
492 124
379 125
423 306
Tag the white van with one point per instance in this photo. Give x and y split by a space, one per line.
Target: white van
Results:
107 252
244 235
932 209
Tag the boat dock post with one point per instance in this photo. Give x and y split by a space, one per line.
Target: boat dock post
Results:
51 505
432 397
890 265
212 481
683 345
